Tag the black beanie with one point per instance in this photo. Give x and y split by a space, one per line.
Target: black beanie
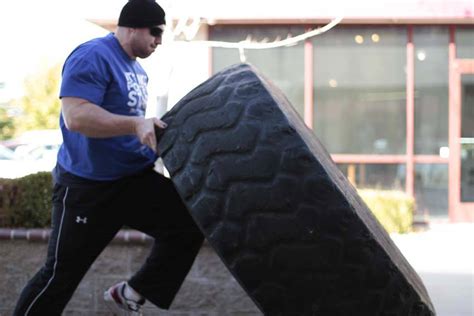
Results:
141 13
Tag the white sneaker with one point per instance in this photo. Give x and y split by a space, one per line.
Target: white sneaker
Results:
115 299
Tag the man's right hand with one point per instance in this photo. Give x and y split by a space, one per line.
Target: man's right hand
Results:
145 131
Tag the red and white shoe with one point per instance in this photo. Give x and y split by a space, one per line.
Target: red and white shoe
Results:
115 299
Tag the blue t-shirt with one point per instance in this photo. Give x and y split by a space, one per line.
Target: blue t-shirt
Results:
101 72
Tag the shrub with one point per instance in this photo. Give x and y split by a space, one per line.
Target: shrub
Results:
26 201
393 209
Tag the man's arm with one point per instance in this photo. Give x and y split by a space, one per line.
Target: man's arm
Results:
91 120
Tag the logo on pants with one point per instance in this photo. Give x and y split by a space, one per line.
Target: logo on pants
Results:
81 220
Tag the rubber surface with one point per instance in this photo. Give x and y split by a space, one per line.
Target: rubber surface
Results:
274 206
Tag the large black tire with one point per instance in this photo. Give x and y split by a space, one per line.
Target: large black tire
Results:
273 205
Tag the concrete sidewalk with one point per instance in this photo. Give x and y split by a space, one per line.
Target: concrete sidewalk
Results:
443 256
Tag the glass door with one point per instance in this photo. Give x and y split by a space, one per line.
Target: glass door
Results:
462 143
467 138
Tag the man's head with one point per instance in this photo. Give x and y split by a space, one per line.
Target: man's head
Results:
144 21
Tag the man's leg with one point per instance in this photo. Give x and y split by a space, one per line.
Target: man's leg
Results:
79 233
163 216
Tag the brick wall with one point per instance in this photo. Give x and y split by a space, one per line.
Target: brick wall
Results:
209 288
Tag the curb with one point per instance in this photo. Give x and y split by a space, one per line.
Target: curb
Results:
124 236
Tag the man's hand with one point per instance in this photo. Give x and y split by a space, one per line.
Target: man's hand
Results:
145 131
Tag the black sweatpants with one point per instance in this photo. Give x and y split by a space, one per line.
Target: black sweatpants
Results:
85 220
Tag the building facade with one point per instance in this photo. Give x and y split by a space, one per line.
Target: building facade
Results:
389 90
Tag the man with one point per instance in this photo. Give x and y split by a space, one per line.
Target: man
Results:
104 176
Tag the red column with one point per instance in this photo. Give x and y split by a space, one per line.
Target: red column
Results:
453 130
308 83
410 110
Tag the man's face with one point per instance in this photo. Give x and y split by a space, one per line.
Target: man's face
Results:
146 40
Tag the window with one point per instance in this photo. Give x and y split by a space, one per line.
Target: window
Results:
464 42
284 66
431 89
360 90
375 176
431 189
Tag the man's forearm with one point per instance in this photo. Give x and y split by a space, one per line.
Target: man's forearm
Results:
93 121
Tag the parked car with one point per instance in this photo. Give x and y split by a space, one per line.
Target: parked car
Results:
31 152
6 153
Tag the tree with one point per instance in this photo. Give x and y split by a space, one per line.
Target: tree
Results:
40 106
7 128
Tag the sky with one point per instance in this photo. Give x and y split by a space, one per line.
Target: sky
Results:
36 34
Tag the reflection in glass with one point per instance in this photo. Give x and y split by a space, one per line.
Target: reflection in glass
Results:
360 90
283 66
431 189
467 138
431 89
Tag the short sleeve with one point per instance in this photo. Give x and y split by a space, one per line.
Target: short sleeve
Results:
84 77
